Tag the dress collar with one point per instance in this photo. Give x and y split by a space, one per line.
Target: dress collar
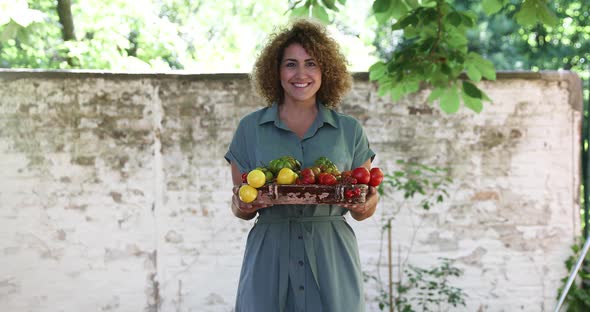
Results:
325 115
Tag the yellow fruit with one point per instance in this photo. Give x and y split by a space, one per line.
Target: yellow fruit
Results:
286 176
247 193
256 178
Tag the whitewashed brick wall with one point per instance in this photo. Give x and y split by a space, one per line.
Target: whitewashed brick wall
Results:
114 194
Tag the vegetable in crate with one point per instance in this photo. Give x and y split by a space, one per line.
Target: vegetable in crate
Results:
362 175
376 177
267 173
247 193
286 176
256 178
327 166
276 165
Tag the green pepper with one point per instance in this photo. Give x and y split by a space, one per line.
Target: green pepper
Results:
294 163
274 165
323 161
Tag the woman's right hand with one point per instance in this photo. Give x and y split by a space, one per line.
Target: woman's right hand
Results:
246 210
241 209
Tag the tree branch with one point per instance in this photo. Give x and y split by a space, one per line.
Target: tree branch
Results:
64 10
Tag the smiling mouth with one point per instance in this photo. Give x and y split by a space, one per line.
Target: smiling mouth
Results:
301 85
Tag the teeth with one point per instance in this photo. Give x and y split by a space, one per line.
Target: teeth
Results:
301 85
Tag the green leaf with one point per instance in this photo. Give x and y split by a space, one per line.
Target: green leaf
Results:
428 3
397 92
491 6
411 32
471 90
475 105
454 18
320 13
411 19
381 6
435 94
393 66
330 4
398 8
412 4
547 17
412 86
449 102
457 39
473 73
300 11
343 2
527 15
487 69
485 97
377 70
10 31
468 19
438 78
445 69
382 18
384 86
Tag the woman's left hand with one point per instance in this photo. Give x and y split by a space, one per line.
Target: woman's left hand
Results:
364 210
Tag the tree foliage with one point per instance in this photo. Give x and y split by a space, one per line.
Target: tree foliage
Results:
136 35
446 45
434 48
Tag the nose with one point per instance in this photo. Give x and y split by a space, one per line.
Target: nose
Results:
301 70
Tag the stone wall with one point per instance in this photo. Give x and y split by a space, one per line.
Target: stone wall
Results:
114 194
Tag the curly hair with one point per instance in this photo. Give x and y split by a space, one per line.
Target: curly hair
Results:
313 37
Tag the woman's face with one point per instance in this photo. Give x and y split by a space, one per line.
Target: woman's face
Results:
300 73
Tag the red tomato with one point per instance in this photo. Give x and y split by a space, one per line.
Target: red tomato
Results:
307 180
376 177
327 179
349 193
320 177
307 172
307 176
245 177
362 175
330 180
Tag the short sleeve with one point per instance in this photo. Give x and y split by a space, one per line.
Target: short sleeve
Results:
362 150
237 152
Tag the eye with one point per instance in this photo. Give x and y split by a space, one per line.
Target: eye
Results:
311 64
290 64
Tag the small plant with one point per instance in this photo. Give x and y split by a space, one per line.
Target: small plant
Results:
418 289
430 290
578 298
417 179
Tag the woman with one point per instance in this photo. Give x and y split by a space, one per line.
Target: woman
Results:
300 257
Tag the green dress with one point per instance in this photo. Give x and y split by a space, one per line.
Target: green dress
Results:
300 257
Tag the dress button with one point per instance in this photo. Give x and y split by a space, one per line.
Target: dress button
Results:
300 237
301 288
301 262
